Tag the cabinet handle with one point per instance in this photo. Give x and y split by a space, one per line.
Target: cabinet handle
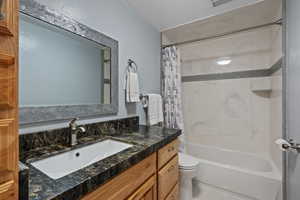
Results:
171 149
171 168
148 165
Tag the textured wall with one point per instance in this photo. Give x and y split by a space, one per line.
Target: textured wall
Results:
137 40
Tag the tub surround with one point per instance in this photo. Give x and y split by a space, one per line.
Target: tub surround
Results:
222 173
235 112
146 140
236 75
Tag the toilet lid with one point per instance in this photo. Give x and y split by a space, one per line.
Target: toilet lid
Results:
187 162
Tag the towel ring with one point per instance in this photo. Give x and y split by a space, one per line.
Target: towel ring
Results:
132 65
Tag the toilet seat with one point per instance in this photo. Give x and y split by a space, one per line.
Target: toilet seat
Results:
187 162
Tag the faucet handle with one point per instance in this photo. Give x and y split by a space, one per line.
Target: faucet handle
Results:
74 120
72 123
82 129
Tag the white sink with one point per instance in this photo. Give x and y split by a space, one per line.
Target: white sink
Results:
66 163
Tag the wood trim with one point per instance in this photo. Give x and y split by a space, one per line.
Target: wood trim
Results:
127 182
6 176
7 99
6 59
9 137
7 24
4 187
7 142
9 194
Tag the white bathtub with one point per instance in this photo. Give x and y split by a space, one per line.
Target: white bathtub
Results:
234 175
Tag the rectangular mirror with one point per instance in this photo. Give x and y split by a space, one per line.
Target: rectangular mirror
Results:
63 74
60 68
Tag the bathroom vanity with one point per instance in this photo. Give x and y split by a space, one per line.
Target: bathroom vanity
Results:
113 160
147 168
156 177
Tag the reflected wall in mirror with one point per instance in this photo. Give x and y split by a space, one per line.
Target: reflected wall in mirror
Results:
60 68
67 70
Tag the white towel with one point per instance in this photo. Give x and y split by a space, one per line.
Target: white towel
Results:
131 87
155 111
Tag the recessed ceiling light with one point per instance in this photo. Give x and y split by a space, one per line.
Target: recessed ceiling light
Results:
224 61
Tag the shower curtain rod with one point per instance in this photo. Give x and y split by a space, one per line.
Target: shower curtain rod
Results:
278 22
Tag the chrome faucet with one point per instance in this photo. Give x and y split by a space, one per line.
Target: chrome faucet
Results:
75 129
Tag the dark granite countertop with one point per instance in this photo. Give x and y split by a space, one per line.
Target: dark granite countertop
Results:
74 186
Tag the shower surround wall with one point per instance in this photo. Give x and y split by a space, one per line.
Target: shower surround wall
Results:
227 113
276 99
223 110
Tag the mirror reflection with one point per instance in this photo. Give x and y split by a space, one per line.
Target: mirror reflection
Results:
58 67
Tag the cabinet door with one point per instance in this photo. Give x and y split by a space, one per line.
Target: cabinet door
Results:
147 191
7 9
174 195
9 152
167 178
120 187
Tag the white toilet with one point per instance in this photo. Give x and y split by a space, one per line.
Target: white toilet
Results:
188 170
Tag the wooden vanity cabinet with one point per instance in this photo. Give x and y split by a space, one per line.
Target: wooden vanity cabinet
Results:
168 171
167 178
147 191
166 153
154 178
174 194
9 152
125 184
7 21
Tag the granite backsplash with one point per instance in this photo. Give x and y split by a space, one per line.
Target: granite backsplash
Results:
57 137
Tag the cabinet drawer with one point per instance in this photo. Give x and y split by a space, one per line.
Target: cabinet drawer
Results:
167 152
127 182
174 195
167 178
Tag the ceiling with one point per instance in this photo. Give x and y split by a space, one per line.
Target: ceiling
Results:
263 12
167 14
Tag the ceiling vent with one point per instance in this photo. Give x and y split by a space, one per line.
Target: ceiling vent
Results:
219 2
